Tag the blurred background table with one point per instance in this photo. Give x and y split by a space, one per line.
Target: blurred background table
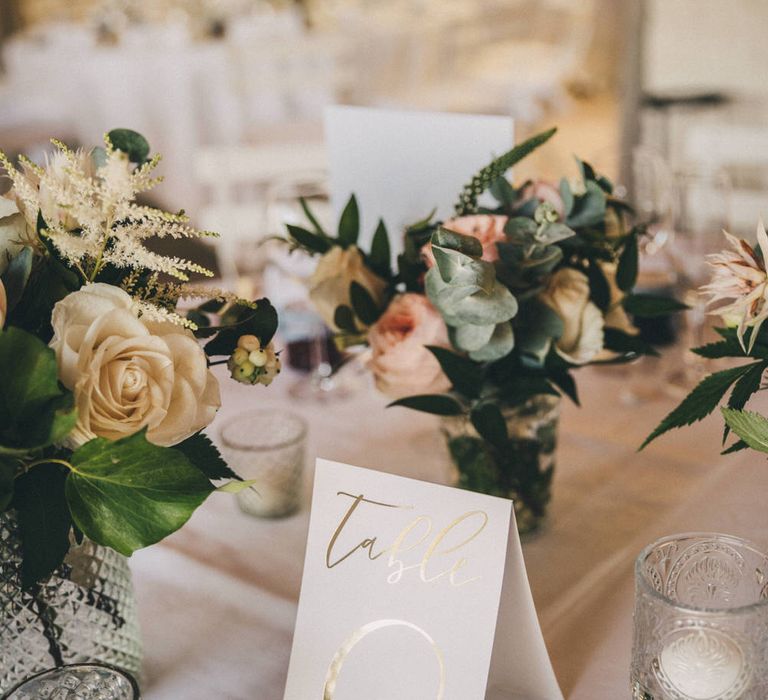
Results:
218 599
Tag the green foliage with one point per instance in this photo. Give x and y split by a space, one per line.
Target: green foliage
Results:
308 241
44 521
260 321
130 493
651 305
751 427
622 342
16 276
476 305
588 209
465 375
747 385
349 224
539 326
344 319
380 255
467 203
363 305
7 476
35 411
701 401
599 289
437 404
130 142
489 422
312 219
626 272
204 455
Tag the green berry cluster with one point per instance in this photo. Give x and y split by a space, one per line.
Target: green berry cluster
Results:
252 364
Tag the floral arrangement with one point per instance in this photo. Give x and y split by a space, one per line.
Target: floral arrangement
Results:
491 308
739 292
105 387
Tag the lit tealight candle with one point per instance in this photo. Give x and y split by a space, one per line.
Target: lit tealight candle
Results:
703 664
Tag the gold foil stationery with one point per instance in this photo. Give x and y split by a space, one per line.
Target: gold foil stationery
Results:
401 594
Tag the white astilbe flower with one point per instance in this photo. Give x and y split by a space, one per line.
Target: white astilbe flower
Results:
151 312
87 202
740 280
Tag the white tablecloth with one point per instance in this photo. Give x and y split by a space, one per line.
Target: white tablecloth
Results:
218 598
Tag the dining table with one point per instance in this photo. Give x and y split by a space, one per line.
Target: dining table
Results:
218 599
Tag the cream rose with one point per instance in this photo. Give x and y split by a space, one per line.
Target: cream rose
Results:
616 317
128 374
567 294
545 192
335 272
401 365
487 228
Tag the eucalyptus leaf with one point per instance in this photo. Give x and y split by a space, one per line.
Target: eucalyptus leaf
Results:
500 344
553 232
468 245
470 338
566 194
521 228
129 493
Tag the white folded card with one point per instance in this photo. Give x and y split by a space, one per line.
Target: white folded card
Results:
400 165
404 583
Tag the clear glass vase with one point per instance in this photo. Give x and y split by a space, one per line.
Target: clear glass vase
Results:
522 470
86 611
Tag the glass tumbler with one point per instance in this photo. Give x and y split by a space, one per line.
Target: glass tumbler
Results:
269 447
77 682
701 620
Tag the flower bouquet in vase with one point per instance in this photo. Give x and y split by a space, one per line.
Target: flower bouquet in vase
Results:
487 314
105 388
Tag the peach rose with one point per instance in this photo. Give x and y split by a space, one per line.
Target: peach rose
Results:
545 192
128 374
487 228
401 364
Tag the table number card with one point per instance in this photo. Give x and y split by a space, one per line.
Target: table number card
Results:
401 595
401 164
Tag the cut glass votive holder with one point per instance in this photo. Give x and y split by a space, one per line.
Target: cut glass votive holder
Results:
700 620
86 681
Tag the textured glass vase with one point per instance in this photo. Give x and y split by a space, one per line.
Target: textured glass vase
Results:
701 620
86 611
522 469
78 682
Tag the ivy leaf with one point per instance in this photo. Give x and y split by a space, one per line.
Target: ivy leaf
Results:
363 304
345 319
626 272
748 384
44 521
701 401
380 251
490 424
349 223
307 240
311 218
465 375
35 411
204 455
437 404
130 142
130 493
651 305
751 427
